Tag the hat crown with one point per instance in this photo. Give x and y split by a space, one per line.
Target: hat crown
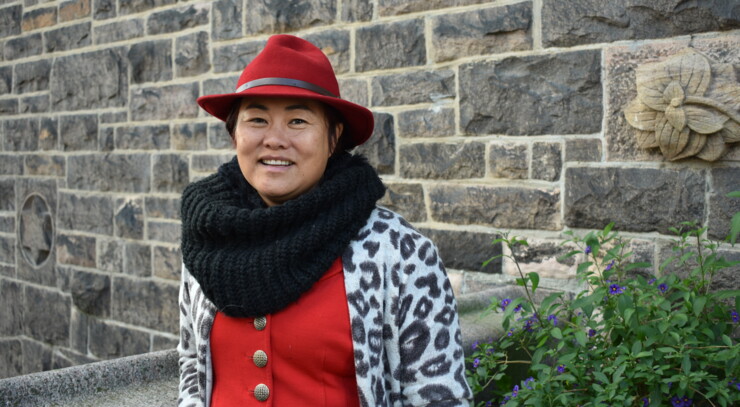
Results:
290 57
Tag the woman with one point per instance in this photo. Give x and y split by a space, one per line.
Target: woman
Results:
297 290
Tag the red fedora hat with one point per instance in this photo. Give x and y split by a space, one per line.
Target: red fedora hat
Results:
293 67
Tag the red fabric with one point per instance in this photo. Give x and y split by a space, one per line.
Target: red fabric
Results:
309 352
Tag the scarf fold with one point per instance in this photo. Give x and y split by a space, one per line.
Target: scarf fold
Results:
252 260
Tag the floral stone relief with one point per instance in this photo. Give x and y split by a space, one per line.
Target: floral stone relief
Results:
686 106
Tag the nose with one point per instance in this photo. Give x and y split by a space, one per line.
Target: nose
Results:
275 137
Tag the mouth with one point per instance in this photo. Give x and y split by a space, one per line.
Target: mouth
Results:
277 163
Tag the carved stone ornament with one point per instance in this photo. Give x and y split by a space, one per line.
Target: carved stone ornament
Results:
686 107
36 230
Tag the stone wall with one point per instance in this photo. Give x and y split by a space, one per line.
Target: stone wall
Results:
491 115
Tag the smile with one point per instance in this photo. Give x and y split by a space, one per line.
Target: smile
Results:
276 162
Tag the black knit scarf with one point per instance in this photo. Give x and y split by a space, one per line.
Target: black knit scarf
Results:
252 260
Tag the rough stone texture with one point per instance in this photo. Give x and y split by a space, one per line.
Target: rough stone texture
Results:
721 207
74 9
164 103
7 250
51 165
354 90
106 139
31 76
433 122
280 16
21 135
143 137
170 173
12 358
119 31
168 232
104 83
635 199
11 301
112 117
724 279
162 343
227 19
23 47
151 61
69 37
6 79
509 160
583 150
356 10
137 260
335 45
395 7
542 256
34 104
482 31
88 213
550 94
110 255
78 327
113 172
466 250
79 132
380 148
7 224
165 208
109 341
166 262
177 19
547 161
46 189
220 85
591 21
91 293
218 137
146 303
137 6
189 136
8 107
442 161
414 87
191 55
208 163
390 45
75 250
104 9
7 197
10 20
498 207
39 18
234 57
129 218
405 199
52 325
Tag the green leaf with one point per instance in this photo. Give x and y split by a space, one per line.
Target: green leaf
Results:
581 338
699 305
601 377
633 266
721 295
485 263
628 314
583 267
686 364
535 278
666 349
569 254
733 194
636 348
556 333
726 339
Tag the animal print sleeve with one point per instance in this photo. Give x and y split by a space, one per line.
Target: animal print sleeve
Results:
188 387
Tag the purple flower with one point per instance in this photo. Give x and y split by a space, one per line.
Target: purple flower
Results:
489 404
505 303
511 332
735 316
663 288
588 250
645 402
515 392
490 351
591 333
518 308
615 289
561 369
651 281
609 266
527 382
476 362
681 401
553 319
475 345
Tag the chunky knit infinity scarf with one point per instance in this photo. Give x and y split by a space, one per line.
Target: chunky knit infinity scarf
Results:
252 260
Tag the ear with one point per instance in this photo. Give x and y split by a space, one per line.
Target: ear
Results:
339 128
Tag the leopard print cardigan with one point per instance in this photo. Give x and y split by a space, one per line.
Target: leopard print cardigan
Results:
405 328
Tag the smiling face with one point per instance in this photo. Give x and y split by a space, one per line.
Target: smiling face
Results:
282 146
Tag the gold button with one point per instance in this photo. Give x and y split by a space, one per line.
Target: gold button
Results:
260 323
261 392
260 358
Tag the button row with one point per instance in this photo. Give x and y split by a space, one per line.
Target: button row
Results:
261 392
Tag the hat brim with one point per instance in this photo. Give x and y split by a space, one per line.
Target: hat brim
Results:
358 120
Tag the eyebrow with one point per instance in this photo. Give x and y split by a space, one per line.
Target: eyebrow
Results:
291 107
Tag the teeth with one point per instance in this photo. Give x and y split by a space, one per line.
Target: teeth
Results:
276 162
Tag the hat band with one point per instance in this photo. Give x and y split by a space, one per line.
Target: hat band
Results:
285 82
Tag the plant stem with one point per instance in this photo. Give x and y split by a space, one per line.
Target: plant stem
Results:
526 286
703 395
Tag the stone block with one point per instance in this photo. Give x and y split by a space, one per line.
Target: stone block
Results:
21 134
542 256
569 23
498 207
482 31
45 165
109 341
356 10
433 122
91 293
354 90
79 132
462 250
164 231
170 173
120 31
380 149
137 6
11 358
146 303
63 358
34 104
177 19
137 259
543 94
37 357
112 172
10 20
164 208
413 87
110 255
635 199
220 85
335 45
189 136
106 139
49 323
93 80
218 137
442 161
7 224
273 16
37 208
48 135
8 107
584 150
509 160
69 37
143 137
166 262
85 213
721 207
407 200
23 47
396 7
726 279
78 330
208 163
165 103
227 19
64 276
234 57
112 117
7 270
7 195
104 9
390 45
129 218
723 279
6 79
32 76
151 61
75 250
191 54
547 161
163 343
11 301
39 18
74 9
7 249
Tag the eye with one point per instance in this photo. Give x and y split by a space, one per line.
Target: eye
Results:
298 121
257 120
